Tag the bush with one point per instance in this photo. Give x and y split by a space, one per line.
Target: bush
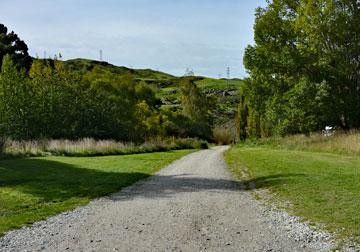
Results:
222 136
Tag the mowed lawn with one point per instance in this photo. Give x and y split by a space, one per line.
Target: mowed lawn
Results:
323 188
32 189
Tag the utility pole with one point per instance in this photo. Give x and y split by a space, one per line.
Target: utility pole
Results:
228 74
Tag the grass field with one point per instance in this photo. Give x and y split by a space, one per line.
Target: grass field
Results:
322 187
210 83
32 189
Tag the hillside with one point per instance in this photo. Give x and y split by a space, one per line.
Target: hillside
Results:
224 92
85 65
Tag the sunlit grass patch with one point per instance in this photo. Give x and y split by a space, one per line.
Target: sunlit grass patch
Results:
32 189
321 187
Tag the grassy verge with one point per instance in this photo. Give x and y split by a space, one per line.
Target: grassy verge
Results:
340 143
321 187
32 189
89 147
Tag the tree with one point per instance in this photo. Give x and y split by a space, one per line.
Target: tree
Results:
242 116
330 31
304 66
16 102
12 45
197 107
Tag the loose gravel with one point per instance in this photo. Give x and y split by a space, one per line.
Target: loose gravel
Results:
192 205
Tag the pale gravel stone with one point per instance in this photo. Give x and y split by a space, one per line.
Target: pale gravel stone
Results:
192 205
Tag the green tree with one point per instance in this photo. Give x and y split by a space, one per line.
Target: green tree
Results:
330 33
11 44
198 108
242 116
304 66
15 102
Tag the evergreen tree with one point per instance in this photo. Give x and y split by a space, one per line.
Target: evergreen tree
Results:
197 107
12 45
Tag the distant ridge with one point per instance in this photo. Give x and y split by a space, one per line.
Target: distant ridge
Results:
85 65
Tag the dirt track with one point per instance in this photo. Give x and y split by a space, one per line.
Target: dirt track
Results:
192 205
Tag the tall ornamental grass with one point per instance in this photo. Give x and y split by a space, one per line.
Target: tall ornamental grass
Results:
92 147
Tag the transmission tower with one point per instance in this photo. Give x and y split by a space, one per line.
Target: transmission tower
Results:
189 72
101 55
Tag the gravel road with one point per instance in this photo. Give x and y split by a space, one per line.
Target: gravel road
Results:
191 205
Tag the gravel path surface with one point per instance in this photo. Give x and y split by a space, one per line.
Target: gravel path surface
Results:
192 205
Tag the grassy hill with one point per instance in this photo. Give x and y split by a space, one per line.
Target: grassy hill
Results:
224 91
85 65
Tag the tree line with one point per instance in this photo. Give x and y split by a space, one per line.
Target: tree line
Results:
42 99
304 69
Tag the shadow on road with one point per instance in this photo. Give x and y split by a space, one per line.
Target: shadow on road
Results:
52 182
159 186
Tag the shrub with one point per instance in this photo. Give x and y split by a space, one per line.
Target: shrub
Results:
222 136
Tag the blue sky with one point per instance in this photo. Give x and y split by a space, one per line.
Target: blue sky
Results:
167 35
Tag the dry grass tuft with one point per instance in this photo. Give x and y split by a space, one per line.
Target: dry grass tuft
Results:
340 142
92 147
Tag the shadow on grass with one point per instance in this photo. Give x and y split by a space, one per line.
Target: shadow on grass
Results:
52 181
33 189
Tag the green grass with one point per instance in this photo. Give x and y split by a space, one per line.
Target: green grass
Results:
204 84
32 189
85 65
322 187
214 84
171 93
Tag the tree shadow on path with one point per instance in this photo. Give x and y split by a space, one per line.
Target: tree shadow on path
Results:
159 186
33 189
52 181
